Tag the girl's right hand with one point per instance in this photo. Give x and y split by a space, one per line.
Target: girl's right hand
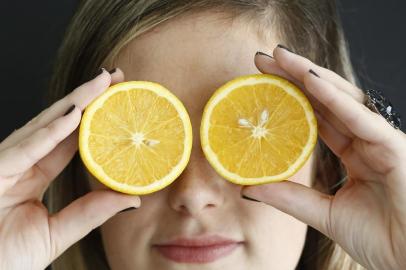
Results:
30 158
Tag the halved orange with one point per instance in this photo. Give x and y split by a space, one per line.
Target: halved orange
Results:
258 129
136 137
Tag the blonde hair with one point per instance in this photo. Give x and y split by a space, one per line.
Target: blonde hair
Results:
101 28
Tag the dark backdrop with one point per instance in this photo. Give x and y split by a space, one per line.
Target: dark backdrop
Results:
32 30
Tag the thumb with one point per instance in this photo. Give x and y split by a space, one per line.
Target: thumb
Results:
83 215
306 204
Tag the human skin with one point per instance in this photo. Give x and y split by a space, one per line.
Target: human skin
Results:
366 217
192 56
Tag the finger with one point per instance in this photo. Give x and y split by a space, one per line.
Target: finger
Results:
334 121
266 64
344 147
16 160
53 163
362 122
298 66
58 159
333 138
301 202
85 214
117 76
81 97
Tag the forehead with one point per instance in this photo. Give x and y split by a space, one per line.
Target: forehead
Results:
193 54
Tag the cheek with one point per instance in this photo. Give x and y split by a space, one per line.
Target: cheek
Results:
275 238
124 247
273 234
127 236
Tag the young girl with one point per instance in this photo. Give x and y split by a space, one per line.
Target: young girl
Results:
351 191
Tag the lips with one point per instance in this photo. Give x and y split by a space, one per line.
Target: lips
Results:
204 249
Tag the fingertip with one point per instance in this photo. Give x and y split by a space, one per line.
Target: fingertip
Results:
127 209
135 200
249 198
99 84
260 192
285 59
117 76
302 202
282 49
70 110
253 193
84 94
73 112
278 52
268 65
125 200
264 62
280 195
103 79
260 54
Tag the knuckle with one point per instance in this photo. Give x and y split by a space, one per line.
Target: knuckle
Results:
358 94
50 133
68 99
37 119
23 147
379 120
34 121
287 63
309 63
7 142
329 99
330 73
355 120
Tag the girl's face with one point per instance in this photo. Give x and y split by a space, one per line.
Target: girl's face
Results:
192 56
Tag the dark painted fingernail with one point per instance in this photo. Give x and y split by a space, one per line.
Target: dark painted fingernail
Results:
314 73
285 48
264 54
248 198
113 70
71 108
127 209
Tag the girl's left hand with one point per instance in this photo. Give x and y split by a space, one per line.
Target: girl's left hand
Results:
367 216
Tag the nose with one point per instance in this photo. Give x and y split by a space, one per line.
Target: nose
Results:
198 189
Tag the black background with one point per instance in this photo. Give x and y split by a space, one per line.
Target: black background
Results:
32 30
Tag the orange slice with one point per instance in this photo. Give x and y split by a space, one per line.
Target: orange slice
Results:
136 137
258 129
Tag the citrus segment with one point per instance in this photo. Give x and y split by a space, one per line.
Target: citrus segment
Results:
136 137
257 129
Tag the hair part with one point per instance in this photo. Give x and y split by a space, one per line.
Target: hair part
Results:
101 28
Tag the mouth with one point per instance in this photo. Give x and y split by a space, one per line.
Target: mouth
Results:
204 249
